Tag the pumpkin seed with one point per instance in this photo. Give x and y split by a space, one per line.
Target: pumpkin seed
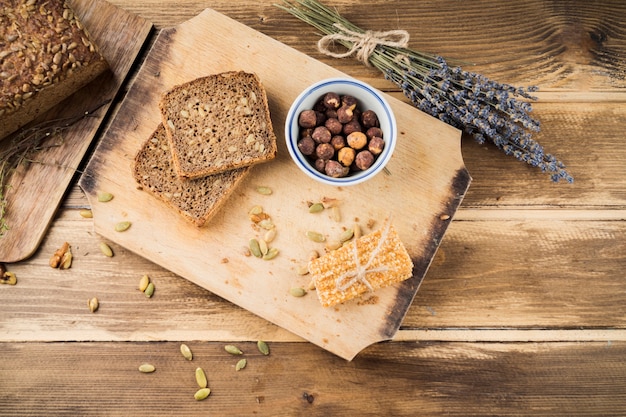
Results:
93 304
146 368
122 226
269 235
266 224
335 214
233 350
332 245
297 292
104 197
315 236
302 269
316 208
8 278
143 283
202 393
271 254
256 210
255 248
149 292
106 249
264 190
263 246
201 378
241 364
184 349
87 214
346 235
263 347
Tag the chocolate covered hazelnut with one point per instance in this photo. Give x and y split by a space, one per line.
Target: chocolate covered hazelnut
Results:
324 151
331 100
321 134
345 114
351 126
374 132
307 119
364 160
369 119
334 126
335 169
376 145
306 145
338 142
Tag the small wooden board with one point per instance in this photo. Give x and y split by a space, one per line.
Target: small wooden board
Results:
35 193
426 183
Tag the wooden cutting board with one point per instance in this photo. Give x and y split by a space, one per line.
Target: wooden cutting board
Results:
35 193
426 183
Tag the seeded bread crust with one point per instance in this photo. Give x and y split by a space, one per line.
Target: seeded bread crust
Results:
196 200
45 56
218 123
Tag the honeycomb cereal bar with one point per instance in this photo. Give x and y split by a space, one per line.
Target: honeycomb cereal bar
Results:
373 261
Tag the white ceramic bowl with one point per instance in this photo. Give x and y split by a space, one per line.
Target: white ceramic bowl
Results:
368 98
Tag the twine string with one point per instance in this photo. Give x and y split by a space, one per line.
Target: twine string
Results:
359 274
363 43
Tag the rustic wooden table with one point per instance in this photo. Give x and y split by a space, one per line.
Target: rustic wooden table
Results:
522 312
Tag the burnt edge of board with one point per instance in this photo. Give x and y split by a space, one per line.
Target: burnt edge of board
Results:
437 229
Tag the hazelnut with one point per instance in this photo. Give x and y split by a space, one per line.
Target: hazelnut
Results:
306 145
346 156
307 119
331 100
348 101
374 132
376 145
364 160
352 126
345 114
357 140
321 134
320 164
369 119
338 142
334 126
324 151
335 169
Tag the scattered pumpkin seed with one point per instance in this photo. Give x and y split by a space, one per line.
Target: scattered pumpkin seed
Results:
184 349
263 347
302 269
202 393
256 210
333 245
346 235
93 304
297 292
263 246
104 197
143 283
264 190
241 364
313 255
357 231
66 260
201 378
271 254
316 208
87 214
255 248
233 350
315 236
106 249
8 278
122 226
270 235
335 214
267 224
149 292
146 368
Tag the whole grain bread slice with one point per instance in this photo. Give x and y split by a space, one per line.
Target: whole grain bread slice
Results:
197 200
217 123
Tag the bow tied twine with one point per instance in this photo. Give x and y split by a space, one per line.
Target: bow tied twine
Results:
363 43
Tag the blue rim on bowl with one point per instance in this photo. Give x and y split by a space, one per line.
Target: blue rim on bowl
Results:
363 93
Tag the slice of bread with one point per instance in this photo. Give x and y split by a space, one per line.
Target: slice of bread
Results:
197 200
217 123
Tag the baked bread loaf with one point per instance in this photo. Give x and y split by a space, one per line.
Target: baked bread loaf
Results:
373 261
197 200
218 123
45 56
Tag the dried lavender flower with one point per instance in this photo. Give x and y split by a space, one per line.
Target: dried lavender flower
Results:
485 109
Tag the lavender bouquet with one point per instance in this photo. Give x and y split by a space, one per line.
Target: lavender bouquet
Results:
485 109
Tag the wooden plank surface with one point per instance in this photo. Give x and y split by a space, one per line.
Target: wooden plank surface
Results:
34 193
398 379
522 312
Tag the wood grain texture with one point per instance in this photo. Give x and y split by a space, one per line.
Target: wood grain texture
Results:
35 192
399 379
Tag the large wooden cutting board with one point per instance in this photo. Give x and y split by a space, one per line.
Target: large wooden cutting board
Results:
426 183
35 193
